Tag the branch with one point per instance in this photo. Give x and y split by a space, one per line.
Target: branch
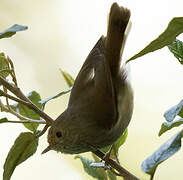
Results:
15 90
23 118
43 131
152 176
26 121
2 93
13 71
123 172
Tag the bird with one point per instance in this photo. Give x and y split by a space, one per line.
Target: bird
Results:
101 101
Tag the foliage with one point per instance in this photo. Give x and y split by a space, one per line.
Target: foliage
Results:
91 168
12 30
29 113
25 146
4 69
169 148
175 27
92 171
177 49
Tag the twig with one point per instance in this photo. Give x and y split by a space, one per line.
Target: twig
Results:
43 131
15 90
23 118
123 172
2 93
44 101
5 91
13 71
116 173
27 121
152 176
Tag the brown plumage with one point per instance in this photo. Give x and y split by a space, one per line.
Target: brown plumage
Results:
118 20
101 100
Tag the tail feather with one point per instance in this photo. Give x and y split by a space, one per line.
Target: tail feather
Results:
118 20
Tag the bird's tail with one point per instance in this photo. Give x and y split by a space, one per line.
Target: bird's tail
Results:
118 20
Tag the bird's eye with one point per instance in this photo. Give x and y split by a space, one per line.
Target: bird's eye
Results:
58 134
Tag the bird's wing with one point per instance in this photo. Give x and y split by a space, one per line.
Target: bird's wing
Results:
94 90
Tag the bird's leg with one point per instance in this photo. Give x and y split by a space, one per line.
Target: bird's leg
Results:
104 161
108 153
107 156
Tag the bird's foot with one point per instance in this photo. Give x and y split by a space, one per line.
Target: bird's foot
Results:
104 162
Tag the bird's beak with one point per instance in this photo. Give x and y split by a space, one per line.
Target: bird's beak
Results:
47 149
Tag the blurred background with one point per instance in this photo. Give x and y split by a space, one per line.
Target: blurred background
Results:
61 33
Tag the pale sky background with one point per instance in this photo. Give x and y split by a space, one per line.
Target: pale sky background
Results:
61 34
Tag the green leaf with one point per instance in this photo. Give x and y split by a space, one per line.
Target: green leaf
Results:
177 49
24 147
169 125
102 168
43 102
92 171
27 112
111 175
3 120
12 30
175 27
166 150
174 111
68 78
8 71
119 142
181 112
35 98
4 68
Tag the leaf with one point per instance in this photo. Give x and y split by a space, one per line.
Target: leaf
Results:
169 125
175 27
177 49
12 30
24 147
118 143
27 112
8 71
3 120
4 68
92 171
111 175
181 112
102 168
166 150
43 102
68 78
96 161
174 111
100 164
